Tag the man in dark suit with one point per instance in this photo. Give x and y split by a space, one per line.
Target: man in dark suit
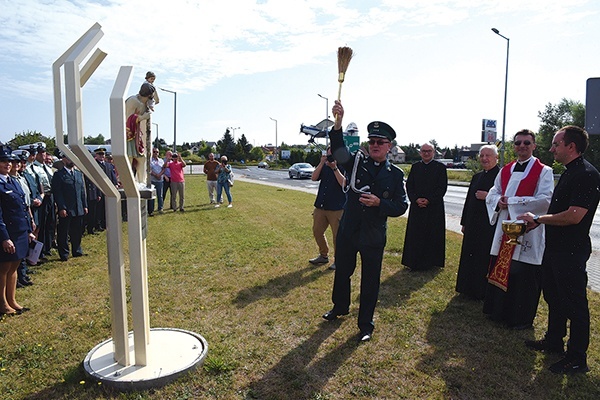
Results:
109 170
71 203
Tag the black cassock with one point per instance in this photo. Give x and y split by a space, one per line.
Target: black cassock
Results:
477 240
425 240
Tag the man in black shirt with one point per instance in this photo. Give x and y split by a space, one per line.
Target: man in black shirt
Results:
568 248
329 204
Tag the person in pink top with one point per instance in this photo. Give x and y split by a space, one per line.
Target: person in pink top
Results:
176 166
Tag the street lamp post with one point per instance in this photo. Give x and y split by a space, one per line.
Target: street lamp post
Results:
273 119
156 144
326 116
233 129
174 118
502 146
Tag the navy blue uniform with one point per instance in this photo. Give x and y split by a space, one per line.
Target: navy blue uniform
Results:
14 220
363 229
69 195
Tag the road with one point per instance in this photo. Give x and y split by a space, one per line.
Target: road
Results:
454 200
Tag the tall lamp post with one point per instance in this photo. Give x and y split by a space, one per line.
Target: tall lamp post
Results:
273 119
156 144
233 129
326 115
502 147
174 118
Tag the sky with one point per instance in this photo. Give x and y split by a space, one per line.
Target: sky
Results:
432 69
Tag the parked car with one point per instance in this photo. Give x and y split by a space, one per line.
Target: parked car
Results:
301 170
263 164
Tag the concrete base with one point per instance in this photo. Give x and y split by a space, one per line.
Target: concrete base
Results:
171 353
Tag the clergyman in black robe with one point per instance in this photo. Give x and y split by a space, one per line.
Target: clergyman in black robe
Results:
425 239
478 233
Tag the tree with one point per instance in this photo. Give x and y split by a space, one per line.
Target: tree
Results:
256 154
554 117
296 156
94 140
226 146
245 147
30 137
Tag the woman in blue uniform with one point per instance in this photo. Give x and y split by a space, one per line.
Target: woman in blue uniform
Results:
15 234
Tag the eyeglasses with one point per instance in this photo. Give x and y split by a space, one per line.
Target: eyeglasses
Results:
426 151
378 142
525 142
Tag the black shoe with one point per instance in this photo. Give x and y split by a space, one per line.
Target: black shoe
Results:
22 310
570 365
332 315
546 346
63 259
24 282
20 285
365 336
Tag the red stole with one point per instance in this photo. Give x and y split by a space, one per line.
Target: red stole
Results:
499 272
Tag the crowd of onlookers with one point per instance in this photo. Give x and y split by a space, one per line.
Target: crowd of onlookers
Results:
47 205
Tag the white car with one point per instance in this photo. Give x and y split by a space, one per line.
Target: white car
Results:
301 170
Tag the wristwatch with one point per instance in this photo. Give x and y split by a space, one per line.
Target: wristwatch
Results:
536 219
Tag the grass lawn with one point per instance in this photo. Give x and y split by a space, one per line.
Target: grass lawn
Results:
240 278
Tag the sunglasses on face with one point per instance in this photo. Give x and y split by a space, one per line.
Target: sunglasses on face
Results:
525 142
378 142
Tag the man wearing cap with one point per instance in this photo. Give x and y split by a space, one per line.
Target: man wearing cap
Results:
47 216
425 239
376 192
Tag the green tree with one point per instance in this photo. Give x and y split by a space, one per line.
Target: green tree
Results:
95 140
554 117
30 137
245 147
256 154
296 156
412 152
226 145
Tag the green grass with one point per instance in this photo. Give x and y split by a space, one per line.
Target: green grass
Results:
240 278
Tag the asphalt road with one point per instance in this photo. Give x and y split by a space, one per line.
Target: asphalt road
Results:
454 200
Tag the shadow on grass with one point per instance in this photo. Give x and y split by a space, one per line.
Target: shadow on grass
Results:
396 288
481 359
277 287
298 375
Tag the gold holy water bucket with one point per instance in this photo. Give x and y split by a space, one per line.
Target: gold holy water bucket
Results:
513 230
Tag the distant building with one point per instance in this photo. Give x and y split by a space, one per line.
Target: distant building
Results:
397 155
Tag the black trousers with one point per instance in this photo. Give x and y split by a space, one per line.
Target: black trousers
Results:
69 229
47 219
345 263
564 286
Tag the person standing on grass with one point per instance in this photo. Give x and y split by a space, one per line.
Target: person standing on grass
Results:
329 205
176 166
211 177
568 247
15 234
167 175
376 192
71 203
157 169
223 172
471 280
513 291
425 238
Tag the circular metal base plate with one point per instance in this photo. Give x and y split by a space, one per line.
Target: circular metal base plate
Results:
171 353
